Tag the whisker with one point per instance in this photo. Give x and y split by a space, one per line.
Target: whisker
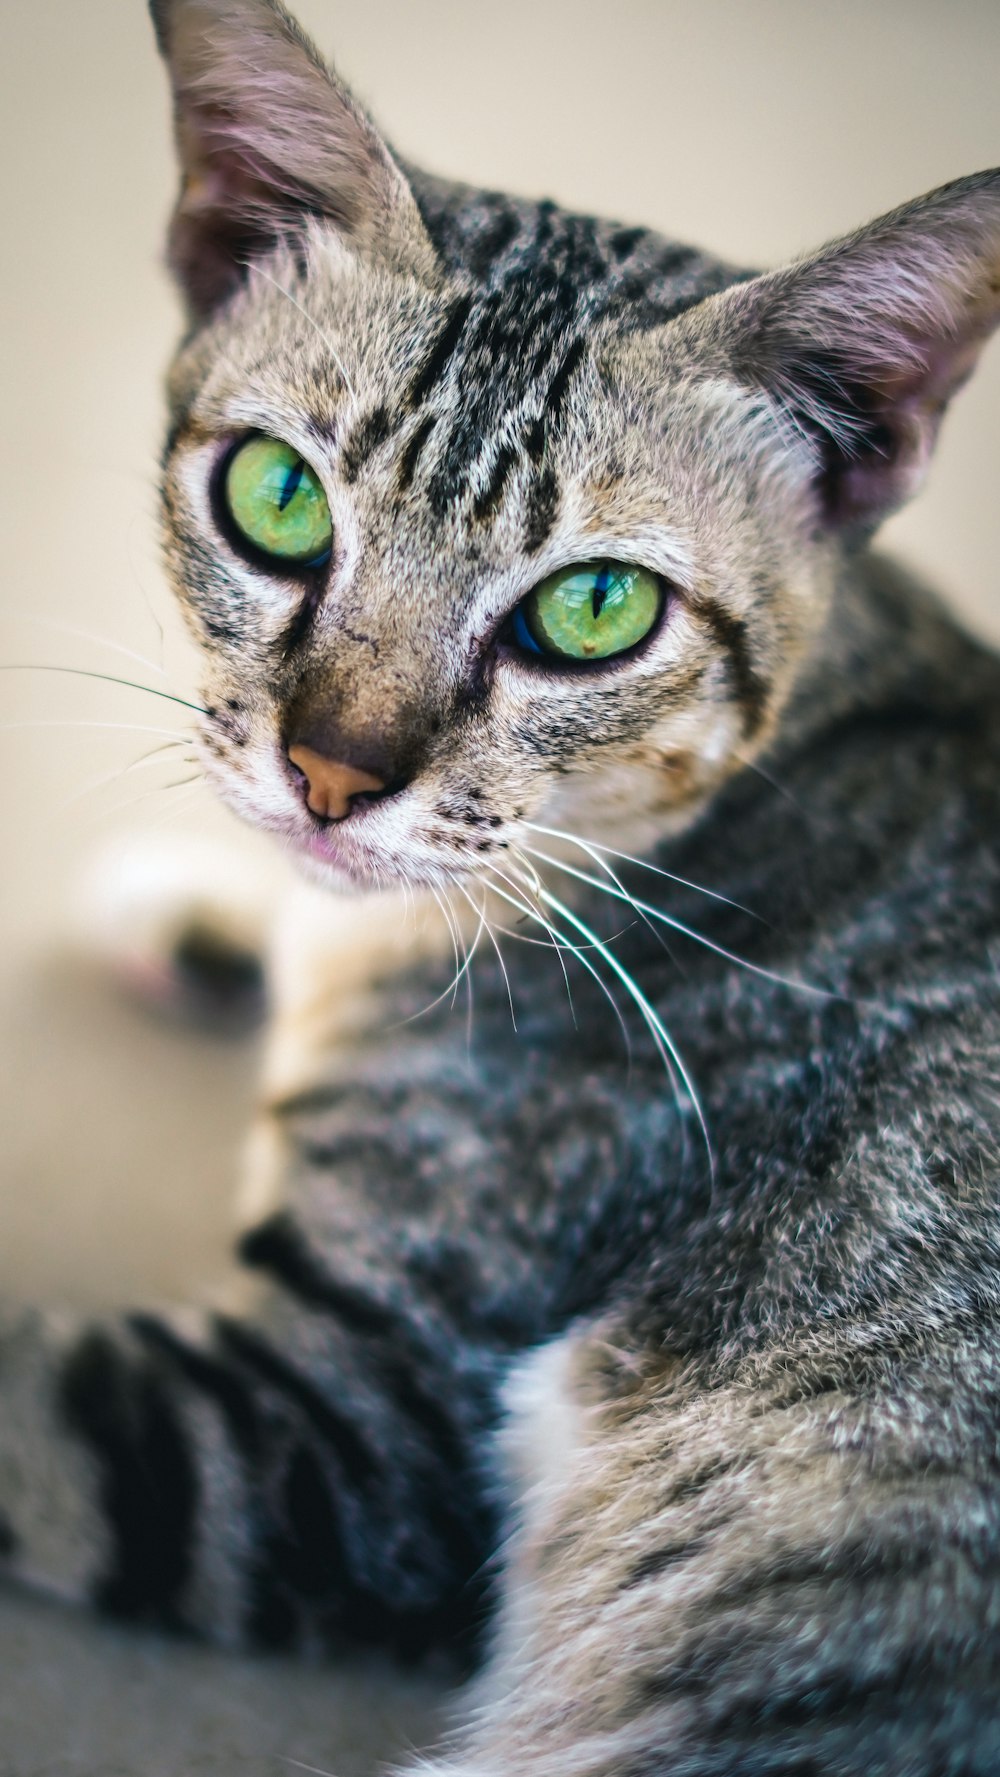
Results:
773 783
82 672
121 727
85 635
678 925
562 942
153 757
447 915
592 845
468 954
666 1047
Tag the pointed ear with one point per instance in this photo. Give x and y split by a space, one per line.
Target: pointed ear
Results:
865 343
266 135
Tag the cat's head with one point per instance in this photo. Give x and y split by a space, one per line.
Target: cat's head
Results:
485 513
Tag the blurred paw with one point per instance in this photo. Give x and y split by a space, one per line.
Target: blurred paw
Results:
183 925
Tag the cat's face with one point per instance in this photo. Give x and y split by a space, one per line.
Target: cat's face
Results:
473 415
401 651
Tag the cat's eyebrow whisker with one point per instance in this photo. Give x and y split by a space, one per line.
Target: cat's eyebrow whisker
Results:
260 272
618 893
666 1047
83 672
591 846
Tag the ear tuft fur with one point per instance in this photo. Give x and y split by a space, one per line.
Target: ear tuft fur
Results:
266 135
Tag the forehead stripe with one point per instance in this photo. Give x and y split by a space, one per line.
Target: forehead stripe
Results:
371 430
440 354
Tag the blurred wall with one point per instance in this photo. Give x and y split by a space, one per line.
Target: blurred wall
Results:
758 127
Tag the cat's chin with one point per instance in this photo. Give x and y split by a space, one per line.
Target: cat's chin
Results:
345 867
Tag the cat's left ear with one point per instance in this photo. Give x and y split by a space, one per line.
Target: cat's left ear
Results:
865 343
267 135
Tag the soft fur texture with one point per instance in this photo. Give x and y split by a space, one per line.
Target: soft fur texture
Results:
662 1315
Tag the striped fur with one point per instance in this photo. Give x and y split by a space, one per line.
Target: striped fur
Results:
668 1378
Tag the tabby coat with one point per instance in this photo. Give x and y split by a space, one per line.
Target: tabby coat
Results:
651 1340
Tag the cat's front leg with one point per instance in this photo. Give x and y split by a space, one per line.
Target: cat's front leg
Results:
264 1477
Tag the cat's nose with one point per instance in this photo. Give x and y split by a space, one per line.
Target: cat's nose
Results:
331 785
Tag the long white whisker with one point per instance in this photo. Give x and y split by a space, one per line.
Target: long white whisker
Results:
677 925
666 1047
623 894
503 969
591 846
85 672
561 942
447 914
331 348
551 936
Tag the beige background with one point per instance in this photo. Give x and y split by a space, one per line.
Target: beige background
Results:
758 128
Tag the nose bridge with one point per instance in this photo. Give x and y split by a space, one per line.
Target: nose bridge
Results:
358 712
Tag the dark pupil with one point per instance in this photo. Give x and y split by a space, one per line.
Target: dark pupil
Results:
602 586
291 486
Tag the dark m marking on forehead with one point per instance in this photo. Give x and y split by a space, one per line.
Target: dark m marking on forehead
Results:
730 635
410 454
371 430
542 507
440 354
559 385
488 499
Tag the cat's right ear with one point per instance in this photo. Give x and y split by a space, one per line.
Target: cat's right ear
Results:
267 135
864 343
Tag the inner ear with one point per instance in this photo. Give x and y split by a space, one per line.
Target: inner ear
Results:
864 344
266 136
873 438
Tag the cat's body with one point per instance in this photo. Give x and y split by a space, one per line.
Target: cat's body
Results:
664 1312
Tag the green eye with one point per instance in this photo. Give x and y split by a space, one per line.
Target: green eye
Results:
275 500
588 612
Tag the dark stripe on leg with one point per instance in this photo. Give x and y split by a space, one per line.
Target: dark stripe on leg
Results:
218 1382
278 1247
624 242
124 1413
253 1353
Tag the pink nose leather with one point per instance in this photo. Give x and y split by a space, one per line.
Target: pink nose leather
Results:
330 784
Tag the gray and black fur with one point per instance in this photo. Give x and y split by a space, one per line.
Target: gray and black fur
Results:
668 1378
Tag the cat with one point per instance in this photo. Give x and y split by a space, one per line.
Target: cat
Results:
638 1332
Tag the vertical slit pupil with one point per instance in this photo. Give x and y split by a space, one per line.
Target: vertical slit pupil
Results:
291 487
602 586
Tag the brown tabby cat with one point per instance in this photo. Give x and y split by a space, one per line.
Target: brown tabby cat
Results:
528 555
